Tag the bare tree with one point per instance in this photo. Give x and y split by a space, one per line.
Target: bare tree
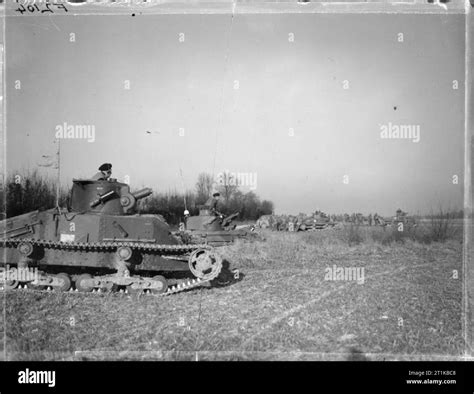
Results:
228 185
203 187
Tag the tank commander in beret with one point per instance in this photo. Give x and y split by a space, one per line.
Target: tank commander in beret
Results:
212 203
105 170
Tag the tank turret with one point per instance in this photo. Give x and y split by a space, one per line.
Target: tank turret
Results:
214 230
106 197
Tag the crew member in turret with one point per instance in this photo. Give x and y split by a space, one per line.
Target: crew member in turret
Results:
105 170
212 202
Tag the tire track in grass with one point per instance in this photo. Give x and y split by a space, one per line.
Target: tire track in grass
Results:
301 307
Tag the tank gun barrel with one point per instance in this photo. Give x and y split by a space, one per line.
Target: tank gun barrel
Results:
229 218
101 198
142 193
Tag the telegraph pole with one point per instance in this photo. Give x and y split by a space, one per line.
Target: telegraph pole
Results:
58 164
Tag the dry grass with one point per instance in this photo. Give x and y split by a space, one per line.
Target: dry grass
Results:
281 308
436 229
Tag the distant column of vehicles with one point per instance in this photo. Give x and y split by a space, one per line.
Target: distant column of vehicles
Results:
320 220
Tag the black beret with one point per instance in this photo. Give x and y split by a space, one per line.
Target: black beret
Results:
105 167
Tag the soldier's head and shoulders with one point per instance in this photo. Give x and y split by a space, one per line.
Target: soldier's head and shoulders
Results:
105 171
213 199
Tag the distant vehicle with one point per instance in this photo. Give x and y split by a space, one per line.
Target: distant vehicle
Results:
215 230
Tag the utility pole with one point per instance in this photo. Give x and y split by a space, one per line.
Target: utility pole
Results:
58 165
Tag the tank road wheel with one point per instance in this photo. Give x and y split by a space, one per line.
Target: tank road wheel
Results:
131 290
205 264
10 284
108 287
124 253
66 282
164 283
26 249
81 285
36 287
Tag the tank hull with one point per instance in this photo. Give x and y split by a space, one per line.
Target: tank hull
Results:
98 251
91 240
217 238
208 229
88 258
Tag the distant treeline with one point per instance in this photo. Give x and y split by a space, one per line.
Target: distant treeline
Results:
24 192
29 191
171 205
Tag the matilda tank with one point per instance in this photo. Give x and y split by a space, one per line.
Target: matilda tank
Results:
100 243
215 230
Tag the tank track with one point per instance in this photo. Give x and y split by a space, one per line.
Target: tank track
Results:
104 246
165 250
183 285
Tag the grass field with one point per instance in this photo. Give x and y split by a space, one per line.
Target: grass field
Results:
280 307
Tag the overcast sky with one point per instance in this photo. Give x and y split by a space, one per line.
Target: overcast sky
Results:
248 100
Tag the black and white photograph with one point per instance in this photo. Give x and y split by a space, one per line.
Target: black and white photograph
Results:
236 181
